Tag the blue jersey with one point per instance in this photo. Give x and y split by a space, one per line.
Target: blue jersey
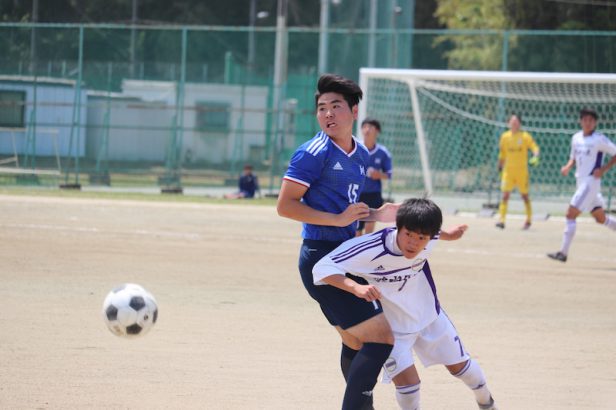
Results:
334 180
249 184
380 159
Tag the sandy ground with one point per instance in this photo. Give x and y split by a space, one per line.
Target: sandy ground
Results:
237 331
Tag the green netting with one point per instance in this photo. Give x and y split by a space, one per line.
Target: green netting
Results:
463 120
130 104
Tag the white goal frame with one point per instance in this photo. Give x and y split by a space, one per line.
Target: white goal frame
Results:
14 159
412 77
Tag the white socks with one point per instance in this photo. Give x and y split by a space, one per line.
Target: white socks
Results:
610 222
408 396
473 377
568 235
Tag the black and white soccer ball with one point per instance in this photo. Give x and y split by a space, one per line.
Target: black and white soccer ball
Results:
130 311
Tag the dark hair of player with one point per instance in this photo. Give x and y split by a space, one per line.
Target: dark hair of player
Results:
518 116
372 121
588 111
333 83
420 215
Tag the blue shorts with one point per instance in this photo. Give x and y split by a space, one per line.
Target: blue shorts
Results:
340 307
374 200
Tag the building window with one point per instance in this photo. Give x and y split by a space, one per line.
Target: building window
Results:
213 116
12 108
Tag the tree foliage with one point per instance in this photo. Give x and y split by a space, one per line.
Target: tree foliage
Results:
485 51
473 51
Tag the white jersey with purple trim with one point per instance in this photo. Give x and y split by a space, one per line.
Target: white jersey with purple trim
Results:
408 292
588 152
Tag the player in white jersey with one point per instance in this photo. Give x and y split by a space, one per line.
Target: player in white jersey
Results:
394 263
587 149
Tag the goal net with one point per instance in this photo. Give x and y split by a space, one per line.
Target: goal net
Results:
442 127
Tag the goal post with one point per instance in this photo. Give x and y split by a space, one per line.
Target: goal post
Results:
443 126
11 164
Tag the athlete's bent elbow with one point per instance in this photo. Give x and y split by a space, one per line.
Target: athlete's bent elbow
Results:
282 210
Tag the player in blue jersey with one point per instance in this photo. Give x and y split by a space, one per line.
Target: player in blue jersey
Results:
248 185
321 188
379 168
394 262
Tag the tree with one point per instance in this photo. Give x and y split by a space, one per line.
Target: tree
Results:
485 51
473 51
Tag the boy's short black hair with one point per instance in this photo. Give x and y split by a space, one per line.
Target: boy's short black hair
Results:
588 111
333 83
420 215
372 121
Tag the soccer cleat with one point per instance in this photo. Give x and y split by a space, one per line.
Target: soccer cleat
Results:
526 226
558 256
500 225
489 406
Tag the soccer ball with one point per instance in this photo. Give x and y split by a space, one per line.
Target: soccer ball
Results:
129 310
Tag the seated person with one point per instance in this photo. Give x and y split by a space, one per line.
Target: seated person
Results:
248 185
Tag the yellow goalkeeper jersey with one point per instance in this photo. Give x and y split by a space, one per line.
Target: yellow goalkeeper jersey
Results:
514 151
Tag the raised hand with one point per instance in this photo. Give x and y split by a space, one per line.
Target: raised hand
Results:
353 213
386 213
453 233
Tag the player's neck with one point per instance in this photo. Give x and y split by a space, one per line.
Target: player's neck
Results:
345 142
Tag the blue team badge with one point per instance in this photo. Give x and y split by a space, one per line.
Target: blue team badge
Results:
362 171
390 364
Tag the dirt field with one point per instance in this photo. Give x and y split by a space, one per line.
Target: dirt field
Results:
236 329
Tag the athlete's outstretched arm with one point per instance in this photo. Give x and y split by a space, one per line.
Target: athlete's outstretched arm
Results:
326 271
386 213
366 292
567 167
453 233
290 205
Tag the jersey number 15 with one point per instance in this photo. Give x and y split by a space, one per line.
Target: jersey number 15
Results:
353 188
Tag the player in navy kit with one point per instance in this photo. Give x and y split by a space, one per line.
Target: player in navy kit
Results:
379 168
321 188
394 262
587 149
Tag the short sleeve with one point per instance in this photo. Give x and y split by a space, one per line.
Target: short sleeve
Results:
304 167
608 146
532 145
387 165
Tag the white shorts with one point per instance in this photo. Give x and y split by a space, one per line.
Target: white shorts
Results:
437 343
587 194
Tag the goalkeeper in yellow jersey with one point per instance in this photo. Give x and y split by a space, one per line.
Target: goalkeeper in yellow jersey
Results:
513 164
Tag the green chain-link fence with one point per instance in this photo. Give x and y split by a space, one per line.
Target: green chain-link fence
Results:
188 106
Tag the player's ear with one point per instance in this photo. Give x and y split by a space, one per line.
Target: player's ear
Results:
355 111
